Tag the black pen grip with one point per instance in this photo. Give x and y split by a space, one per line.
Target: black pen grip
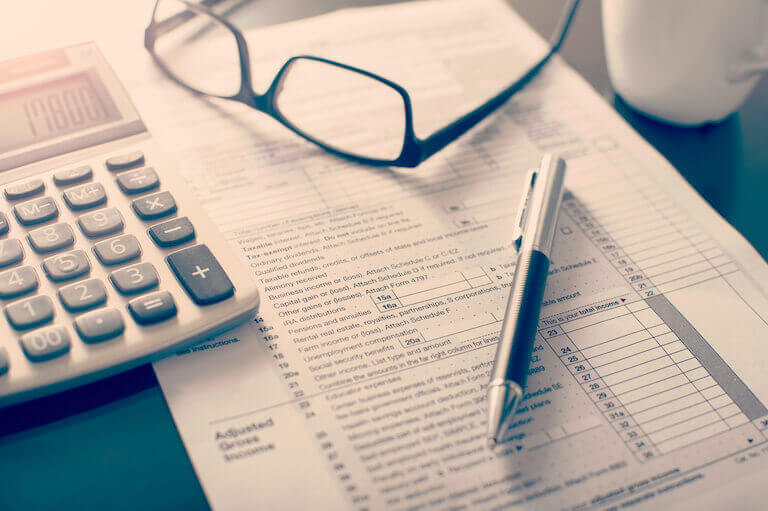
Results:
518 332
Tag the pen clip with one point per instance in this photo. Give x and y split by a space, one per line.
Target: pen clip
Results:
522 209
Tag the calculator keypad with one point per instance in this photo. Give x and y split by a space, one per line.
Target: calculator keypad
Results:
17 282
11 252
83 295
100 325
45 344
67 266
86 196
134 279
51 238
30 312
100 223
117 250
36 211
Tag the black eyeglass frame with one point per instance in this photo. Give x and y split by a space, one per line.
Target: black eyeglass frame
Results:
414 150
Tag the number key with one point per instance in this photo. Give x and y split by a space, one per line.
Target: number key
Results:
100 223
83 295
4 227
45 344
117 250
66 266
10 252
51 238
17 282
134 279
30 312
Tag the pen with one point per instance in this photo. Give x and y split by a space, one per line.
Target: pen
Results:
534 231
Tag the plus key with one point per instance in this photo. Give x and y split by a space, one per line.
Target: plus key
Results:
201 275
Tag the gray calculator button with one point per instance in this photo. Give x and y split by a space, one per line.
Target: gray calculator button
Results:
201 275
83 295
172 232
100 223
4 362
10 252
134 279
154 206
30 312
152 308
85 196
137 181
66 266
36 211
3 224
100 325
125 161
17 281
29 188
118 249
66 177
51 238
45 344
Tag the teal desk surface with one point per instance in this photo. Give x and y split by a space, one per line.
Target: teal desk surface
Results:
113 445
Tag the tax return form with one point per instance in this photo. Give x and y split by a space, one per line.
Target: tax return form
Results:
361 385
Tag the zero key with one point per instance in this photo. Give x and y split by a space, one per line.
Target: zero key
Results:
201 275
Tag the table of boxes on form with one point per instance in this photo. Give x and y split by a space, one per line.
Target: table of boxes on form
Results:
652 375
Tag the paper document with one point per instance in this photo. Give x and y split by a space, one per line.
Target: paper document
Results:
361 385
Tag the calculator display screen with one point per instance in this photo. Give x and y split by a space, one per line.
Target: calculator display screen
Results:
49 110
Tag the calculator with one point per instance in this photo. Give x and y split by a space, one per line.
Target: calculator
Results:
107 260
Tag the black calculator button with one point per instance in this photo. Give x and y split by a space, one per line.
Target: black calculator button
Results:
30 312
154 206
83 295
17 281
201 275
117 250
67 177
23 190
66 266
45 344
173 232
51 238
134 279
139 180
85 196
125 161
4 361
100 223
152 308
4 226
11 252
100 325
36 211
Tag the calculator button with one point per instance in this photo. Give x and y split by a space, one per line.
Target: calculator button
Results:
134 279
53 237
154 206
125 161
71 176
10 252
45 344
30 312
86 196
83 295
17 281
172 232
100 223
4 362
36 211
117 250
100 325
26 189
201 275
3 224
137 181
152 308
66 266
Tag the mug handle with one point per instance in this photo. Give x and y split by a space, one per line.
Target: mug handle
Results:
756 60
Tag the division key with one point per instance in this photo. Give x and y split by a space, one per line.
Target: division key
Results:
201 275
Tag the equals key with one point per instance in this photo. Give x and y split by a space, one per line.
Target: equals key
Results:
173 232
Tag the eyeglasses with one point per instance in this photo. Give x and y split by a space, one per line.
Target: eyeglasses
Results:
372 117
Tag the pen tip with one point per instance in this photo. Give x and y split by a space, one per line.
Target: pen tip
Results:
492 443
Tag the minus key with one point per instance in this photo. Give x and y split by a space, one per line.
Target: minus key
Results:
173 232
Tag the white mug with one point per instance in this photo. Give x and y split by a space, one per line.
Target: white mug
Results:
688 62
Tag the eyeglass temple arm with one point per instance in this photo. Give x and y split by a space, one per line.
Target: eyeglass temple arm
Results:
451 132
163 27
